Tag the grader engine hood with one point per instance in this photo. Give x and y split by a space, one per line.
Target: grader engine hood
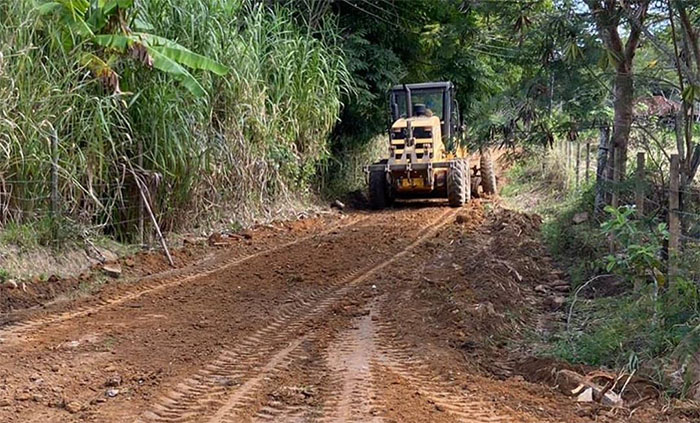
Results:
415 140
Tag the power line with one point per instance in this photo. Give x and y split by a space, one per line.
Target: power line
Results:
351 3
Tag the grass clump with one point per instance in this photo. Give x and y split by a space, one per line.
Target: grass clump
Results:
43 232
645 331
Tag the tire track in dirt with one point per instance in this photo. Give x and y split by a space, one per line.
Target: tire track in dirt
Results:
155 283
264 352
294 401
399 358
368 349
351 359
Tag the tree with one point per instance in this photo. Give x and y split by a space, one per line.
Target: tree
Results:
687 61
103 28
608 17
679 43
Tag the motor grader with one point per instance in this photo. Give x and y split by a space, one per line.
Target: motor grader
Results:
424 160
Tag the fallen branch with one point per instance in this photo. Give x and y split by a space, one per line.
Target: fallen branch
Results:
141 189
510 268
573 301
589 391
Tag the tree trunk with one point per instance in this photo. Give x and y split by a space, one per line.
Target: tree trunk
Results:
624 110
601 173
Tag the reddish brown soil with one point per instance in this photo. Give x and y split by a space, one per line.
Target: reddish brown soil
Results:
415 314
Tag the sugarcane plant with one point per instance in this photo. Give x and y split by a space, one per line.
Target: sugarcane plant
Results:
110 30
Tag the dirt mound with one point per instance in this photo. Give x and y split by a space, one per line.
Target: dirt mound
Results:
472 217
356 200
481 290
37 292
515 224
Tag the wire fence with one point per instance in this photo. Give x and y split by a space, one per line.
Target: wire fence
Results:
100 207
654 187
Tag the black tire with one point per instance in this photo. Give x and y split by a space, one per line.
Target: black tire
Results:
458 183
488 172
379 197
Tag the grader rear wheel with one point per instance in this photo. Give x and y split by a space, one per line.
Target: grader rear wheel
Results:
458 183
380 195
488 172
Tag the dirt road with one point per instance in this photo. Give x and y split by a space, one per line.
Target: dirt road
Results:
398 316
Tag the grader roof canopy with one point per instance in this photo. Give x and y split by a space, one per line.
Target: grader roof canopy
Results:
437 97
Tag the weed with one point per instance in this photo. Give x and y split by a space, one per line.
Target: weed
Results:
4 275
235 226
44 232
642 324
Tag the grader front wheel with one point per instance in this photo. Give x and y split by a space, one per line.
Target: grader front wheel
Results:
458 183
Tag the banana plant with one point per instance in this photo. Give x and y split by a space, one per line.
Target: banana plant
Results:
106 25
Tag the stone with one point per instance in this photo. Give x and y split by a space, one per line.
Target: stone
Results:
73 407
113 381
112 269
580 218
23 396
338 205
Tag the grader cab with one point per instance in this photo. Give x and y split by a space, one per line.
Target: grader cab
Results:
423 160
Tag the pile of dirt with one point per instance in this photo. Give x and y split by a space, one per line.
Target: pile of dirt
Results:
26 294
37 292
480 290
489 292
502 262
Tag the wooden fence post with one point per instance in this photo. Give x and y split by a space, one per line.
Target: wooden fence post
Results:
674 222
602 170
615 198
588 161
54 182
568 164
578 163
640 186
142 204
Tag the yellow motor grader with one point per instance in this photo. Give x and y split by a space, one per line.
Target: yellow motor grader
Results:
423 158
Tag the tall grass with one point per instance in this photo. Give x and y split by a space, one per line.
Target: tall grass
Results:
254 142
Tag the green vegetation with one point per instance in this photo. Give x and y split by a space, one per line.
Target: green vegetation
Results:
255 138
4 275
624 313
642 331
